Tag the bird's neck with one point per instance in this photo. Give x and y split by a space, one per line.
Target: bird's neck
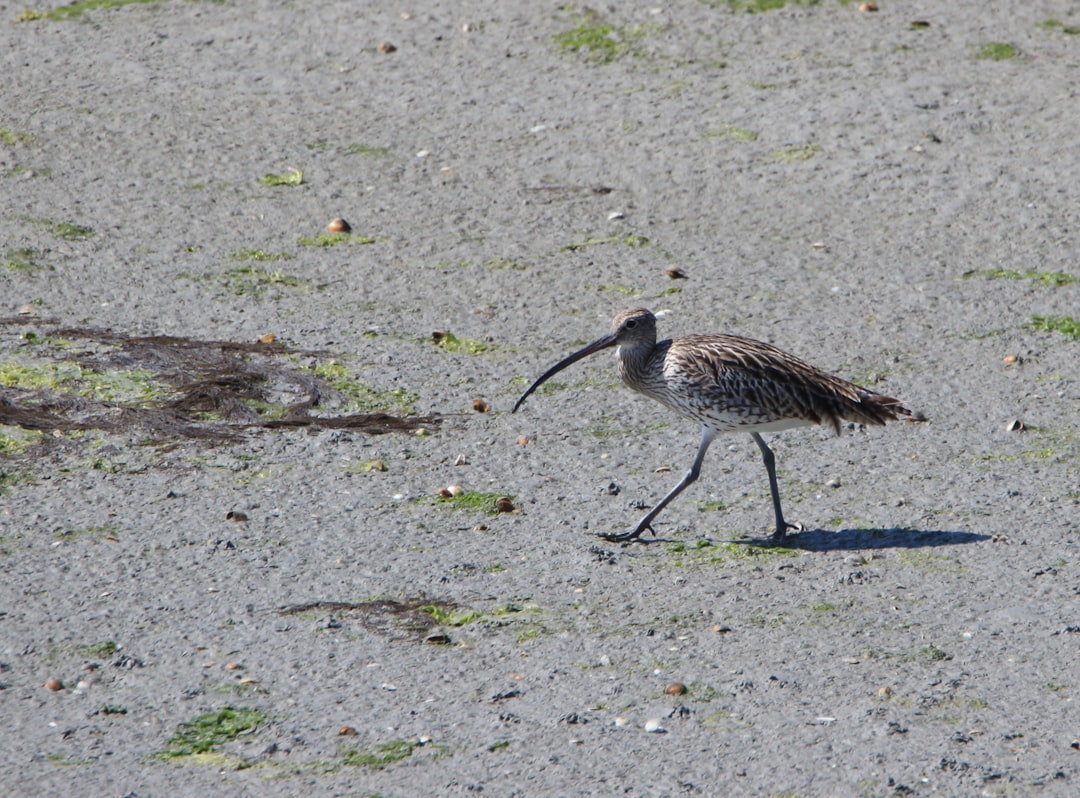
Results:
634 360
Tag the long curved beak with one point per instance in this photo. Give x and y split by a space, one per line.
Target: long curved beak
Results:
595 346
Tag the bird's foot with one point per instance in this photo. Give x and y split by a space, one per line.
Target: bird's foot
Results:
631 533
780 535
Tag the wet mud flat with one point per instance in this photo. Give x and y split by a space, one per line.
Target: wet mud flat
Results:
268 525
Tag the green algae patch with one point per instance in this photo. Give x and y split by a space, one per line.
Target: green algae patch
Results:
1066 325
293 178
448 342
76 10
132 386
333 240
997 51
207 733
1051 279
380 755
477 501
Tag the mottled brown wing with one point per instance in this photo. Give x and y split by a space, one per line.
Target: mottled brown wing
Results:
764 384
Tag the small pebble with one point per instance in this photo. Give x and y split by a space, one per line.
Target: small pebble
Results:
675 273
884 692
621 721
675 688
1009 359
1016 425
268 338
346 731
339 226
53 684
868 7
504 504
615 215
833 483
386 47
653 726
480 406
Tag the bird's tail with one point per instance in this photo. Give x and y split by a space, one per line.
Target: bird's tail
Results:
869 407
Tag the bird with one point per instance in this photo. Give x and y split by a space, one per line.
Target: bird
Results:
728 383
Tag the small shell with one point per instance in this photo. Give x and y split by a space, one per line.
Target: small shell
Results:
675 273
480 406
884 692
504 504
386 47
1009 359
675 688
53 684
339 226
346 731
868 7
268 338
653 726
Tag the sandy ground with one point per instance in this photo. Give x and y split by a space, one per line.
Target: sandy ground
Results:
849 186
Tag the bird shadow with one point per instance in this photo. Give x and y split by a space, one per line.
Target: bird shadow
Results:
862 539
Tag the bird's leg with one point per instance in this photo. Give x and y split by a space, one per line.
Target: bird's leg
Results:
634 532
782 526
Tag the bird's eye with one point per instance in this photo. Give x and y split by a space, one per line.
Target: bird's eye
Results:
631 324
